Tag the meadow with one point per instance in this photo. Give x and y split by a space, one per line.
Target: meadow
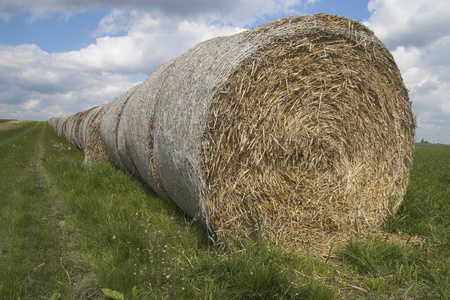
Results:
71 231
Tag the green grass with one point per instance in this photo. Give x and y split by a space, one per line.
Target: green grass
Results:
69 231
414 271
29 242
426 208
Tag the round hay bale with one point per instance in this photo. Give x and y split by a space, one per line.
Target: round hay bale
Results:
53 121
85 125
109 127
300 129
311 140
94 148
83 130
136 130
60 125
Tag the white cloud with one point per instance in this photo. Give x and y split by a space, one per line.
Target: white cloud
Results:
33 83
152 39
427 75
132 40
409 22
418 34
407 57
238 12
31 104
116 22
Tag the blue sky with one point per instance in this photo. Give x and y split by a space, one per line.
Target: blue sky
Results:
61 57
52 34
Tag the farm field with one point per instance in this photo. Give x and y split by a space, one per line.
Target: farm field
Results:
70 231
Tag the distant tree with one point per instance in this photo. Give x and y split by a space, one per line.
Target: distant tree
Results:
422 141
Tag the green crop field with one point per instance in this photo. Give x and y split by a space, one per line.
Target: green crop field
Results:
70 231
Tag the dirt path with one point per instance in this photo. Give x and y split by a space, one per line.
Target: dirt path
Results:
30 245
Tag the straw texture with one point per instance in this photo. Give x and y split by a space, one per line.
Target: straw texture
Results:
300 129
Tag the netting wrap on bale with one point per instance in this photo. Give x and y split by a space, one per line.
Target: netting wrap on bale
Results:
301 129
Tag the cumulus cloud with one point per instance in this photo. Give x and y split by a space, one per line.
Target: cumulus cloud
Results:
116 22
31 104
238 12
409 23
417 32
152 39
33 83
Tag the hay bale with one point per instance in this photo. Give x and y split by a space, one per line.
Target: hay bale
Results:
85 125
73 128
83 130
301 128
109 130
136 131
59 124
89 134
94 148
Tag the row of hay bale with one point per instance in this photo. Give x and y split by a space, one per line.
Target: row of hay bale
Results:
301 129
83 130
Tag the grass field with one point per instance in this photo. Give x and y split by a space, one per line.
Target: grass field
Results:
68 231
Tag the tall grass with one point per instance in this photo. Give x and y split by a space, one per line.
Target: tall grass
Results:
83 232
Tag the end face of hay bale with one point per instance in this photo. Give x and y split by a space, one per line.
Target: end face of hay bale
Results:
311 139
